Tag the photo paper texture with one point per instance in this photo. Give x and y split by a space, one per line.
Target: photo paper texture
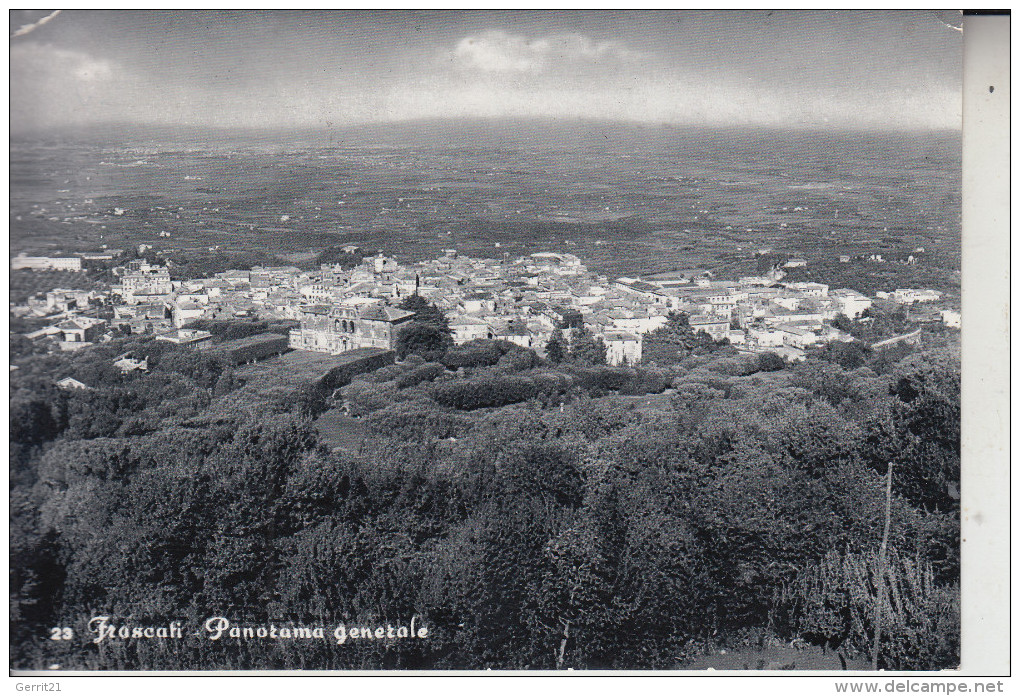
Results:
449 340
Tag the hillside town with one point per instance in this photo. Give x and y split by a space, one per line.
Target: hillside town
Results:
522 301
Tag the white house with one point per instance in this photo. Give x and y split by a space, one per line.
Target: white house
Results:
622 348
851 303
194 338
80 332
767 337
477 302
187 311
127 364
951 318
909 296
468 329
638 324
518 335
737 338
715 327
796 336
788 302
810 289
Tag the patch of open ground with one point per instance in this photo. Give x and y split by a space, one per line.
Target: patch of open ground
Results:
277 378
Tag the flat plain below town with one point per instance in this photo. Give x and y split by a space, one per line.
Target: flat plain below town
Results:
596 396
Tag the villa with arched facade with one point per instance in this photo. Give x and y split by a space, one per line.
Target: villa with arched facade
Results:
339 328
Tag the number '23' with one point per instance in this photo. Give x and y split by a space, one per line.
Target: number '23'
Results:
61 633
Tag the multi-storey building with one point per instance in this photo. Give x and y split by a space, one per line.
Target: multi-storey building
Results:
713 326
339 328
142 282
466 328
622 348
851 303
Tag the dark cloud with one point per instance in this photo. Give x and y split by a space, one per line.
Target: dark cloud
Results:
864 69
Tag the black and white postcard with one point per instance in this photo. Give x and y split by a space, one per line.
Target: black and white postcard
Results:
486 340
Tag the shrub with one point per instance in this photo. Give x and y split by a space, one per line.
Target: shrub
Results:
484 392
427 340
600 380
703 377
477 353
518 359
417 420
385 374
836 597
362 398
646 382
849 356
727 366
343 374
231 329
423 373
689 393
599 418
552 382
414 360
770 362
552 388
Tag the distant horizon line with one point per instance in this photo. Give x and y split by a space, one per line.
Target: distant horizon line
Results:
440 122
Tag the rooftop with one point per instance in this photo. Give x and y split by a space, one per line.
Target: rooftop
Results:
704 320
388 314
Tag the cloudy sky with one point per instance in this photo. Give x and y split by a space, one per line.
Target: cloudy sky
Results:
858 69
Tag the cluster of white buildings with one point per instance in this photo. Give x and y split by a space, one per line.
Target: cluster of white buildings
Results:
522 301
64 262
910 296
46 263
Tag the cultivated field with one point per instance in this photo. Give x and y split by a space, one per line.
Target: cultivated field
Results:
628 201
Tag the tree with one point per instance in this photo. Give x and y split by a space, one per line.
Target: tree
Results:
420 338
31 421
770 362
674 341
926 416
486 392
843 323
224 383
586 349
764 263
849 356
425 312
554 348
477 353
678 321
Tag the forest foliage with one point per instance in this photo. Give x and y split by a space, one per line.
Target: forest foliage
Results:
533 515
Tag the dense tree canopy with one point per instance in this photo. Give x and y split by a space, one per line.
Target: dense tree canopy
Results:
428 335
671 343
425 312
420 338
532 515
554 348
585 349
